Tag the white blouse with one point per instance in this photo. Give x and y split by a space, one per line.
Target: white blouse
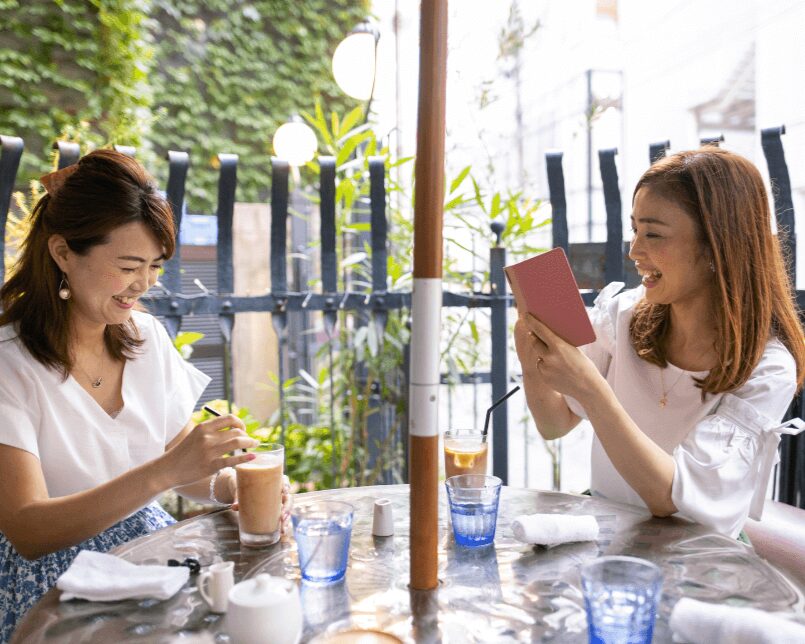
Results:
724 448
78 444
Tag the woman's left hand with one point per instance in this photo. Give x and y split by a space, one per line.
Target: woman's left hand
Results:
287 501
563 367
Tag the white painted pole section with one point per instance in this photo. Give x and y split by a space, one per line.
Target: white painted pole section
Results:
426 327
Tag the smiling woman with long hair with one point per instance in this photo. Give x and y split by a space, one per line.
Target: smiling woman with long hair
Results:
691 372
95 401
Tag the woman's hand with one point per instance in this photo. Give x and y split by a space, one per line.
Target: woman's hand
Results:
560 365
287 505
203 451
527 350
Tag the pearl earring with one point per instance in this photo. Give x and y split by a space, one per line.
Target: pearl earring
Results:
712 267
64 288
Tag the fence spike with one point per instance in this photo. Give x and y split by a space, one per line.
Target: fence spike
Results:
657 151
178 163
613 257
10 156
712 140
556 189
69 153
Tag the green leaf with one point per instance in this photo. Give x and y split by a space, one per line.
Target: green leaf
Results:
334 126
474 331
454 202
459 179
359 227
495 209
350 120
478 197
349 147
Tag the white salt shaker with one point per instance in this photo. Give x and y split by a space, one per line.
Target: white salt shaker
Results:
383 519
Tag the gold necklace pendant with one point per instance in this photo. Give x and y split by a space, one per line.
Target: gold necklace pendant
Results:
97 383
664 400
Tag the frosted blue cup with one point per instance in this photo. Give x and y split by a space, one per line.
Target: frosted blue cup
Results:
621 596
322 531
474 500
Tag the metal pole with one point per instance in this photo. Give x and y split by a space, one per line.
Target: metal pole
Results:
589 119
227 182
500 372
791 471
329 284
178 163
279 278
613 259
427 295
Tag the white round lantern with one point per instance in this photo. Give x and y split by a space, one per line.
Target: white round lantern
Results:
295 142
354 62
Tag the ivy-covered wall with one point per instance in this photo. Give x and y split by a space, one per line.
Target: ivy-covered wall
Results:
203 76
73 68
231 72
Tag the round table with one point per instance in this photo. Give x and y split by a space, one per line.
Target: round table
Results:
510 593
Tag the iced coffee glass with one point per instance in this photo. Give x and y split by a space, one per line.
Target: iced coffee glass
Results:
260 495
465 452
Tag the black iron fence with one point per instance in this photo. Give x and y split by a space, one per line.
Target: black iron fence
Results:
595 264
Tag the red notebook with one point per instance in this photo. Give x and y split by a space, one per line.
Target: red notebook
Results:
545 287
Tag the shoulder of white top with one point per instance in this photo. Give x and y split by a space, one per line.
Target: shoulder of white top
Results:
7 332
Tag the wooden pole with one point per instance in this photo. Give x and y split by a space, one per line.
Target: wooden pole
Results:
427 296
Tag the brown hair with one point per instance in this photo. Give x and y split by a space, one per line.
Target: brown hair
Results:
106 190
753 296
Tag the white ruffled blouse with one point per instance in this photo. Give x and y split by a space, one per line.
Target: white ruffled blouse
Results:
79 445
724 448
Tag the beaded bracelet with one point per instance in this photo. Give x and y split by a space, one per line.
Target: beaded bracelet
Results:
213 481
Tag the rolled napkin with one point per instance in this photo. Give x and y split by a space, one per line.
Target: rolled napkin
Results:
699 622
99 576
554 529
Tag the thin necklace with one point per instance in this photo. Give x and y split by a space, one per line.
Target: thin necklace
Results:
664 400
94 382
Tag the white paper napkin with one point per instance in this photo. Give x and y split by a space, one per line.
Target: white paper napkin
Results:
99 576
702 623
554 529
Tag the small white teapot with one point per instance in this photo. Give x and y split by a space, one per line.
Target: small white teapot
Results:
264 610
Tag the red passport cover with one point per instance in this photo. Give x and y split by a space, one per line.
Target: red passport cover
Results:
545 287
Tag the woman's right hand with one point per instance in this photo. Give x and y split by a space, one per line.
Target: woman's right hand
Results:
527 349
202 452
548 407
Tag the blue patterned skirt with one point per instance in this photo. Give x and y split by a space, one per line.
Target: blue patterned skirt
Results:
23 582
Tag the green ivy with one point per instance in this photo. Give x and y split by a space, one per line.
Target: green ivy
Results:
201 76
70 67
232 71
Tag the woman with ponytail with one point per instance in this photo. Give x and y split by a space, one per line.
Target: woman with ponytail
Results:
692 372
94 400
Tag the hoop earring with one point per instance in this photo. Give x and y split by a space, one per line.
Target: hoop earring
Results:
64 288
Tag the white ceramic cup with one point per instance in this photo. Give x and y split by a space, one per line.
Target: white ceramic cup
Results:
264 610
215 583
383 518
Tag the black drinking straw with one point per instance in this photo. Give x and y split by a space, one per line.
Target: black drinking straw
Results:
495 404
210 410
